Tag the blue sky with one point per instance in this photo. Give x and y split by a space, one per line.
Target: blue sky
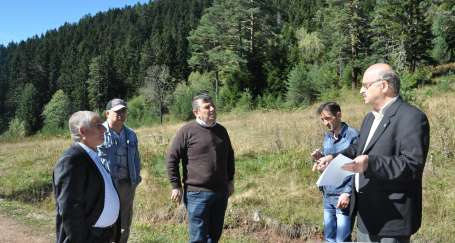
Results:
20 19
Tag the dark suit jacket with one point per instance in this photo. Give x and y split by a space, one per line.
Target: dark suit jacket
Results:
79 194
389 201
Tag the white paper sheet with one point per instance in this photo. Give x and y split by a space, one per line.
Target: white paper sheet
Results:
334 174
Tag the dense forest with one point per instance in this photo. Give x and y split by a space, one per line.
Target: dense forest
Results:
246 53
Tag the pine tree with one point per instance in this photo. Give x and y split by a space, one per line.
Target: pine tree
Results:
28 109
98 83
443 29
401 33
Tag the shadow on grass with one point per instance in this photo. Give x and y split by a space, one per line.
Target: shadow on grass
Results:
34 194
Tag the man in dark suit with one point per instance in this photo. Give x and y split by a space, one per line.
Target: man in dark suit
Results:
388 160
87 203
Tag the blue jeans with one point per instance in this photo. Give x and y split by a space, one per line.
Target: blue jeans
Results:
337 222
205 215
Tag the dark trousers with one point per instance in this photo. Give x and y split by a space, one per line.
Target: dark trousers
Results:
205 215
364 236
103 235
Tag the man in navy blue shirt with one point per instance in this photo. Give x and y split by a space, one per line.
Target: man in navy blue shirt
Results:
337 222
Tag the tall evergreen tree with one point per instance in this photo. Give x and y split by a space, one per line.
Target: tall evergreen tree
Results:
443 29
28 109
401 33
98 83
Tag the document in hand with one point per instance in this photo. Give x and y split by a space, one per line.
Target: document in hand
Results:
334 174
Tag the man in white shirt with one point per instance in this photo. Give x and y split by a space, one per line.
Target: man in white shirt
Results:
87 202
389 160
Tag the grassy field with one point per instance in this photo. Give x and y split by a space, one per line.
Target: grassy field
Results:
276 199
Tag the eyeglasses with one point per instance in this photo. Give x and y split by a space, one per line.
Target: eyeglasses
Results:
368 85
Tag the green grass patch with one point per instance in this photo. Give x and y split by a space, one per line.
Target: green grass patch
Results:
38 219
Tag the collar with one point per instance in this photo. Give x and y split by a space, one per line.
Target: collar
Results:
87 149
343 128
109 129
202 123
379 115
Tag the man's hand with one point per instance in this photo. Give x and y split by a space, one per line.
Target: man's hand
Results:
343 201
358 165
316 154
176 195
230 188
322 163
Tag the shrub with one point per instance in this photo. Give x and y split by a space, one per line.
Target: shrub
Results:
300 90
183 94
140 112
56 112
202 82
270 101
181 104
227 98
444 84
245 102
410 81
347 76
17 128
306 83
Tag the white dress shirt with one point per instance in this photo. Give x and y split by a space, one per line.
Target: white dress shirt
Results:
111 207
377 119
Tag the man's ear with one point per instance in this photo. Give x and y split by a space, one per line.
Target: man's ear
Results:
82 131
338 115
195 113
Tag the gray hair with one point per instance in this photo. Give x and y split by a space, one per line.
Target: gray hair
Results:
78 120
204 97
392 78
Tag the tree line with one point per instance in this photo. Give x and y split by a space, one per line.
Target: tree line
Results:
246 53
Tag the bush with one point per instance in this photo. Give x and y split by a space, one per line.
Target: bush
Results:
136 108
270 101
202 82
445 84
140 112
347 76
307 82
183 94
245 102
181 104
56 112
17 128
300 89
227 98
410 81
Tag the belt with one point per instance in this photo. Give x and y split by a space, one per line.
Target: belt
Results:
98 231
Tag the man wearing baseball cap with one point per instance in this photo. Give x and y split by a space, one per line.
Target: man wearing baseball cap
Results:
120 154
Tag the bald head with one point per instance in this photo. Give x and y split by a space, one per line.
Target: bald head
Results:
385 72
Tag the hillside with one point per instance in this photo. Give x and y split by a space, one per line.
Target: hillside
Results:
276 198
249 53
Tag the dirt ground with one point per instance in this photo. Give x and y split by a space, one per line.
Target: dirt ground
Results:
13 232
